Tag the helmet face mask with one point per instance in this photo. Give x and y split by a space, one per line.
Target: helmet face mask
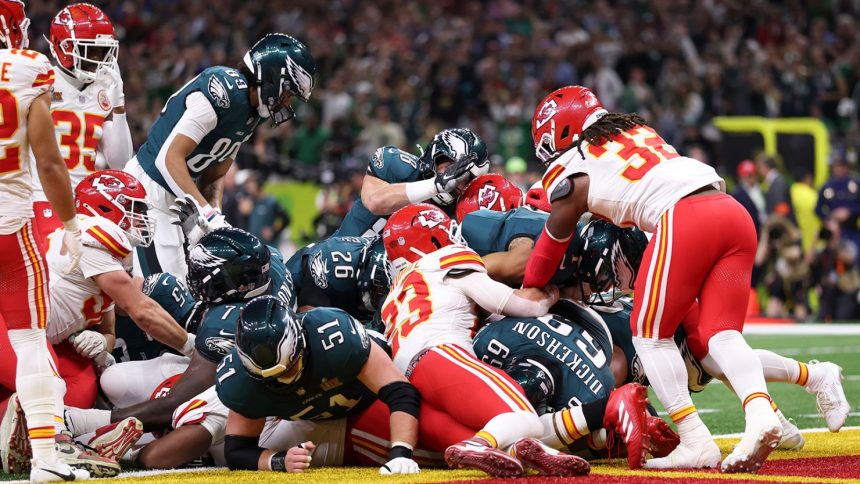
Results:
453 146
13 25
270 341
82 41
608 261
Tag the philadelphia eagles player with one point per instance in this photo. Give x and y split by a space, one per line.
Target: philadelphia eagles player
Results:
396 178
197 136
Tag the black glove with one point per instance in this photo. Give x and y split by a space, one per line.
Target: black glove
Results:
456 175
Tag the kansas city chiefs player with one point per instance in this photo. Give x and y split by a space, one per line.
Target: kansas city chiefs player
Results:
87 105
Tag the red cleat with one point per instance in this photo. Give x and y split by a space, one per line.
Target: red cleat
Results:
114 440
549 462
625 415
474 455
663 438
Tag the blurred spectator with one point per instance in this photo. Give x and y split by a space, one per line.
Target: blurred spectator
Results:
381 131
306 144
835 269
776 192
748 193
804 199
839 200
785 270
266 217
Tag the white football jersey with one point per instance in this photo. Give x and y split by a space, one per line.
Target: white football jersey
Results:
24 75
78 119
633 179
77 302
423 310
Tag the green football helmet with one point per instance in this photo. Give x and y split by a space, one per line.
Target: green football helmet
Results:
280 64
460 145
228 265
608 259
270 341
533 374
374 275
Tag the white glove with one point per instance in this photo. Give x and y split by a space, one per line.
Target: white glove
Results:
400 465
188 347
111 78
72 243
88 343
189 215
103 361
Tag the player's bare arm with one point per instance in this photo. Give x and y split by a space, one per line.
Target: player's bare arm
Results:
158 414
383 198
240 446
49 162
178 447
145 312
211 182
177 153
510 266
379 372
107 327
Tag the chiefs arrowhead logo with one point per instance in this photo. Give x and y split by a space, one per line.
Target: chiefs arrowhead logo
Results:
430 218
107 182
488 196
547 111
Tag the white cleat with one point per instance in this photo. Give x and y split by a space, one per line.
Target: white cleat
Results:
829 395
792 439
694 456
754 447
59 471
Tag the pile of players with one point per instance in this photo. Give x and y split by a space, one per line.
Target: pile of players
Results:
500 339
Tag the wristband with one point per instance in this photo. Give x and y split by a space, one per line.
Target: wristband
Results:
278 461
420 191
210 212
400 449
188 347
71 225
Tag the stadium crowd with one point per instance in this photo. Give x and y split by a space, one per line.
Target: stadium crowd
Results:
394 73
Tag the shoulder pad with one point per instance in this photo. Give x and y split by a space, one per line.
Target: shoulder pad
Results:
558 171
28 69
461 258
101 233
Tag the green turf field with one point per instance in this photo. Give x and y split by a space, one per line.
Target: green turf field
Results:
721 410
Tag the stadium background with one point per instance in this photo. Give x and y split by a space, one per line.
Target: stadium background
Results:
721 80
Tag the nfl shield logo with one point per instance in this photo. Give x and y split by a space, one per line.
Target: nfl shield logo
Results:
47 213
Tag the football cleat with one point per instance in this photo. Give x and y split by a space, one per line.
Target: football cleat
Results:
14 441
792 439
697 456
663 439
113 441
473 455
763 433
829 394
549 462
59 471
80 457
625 415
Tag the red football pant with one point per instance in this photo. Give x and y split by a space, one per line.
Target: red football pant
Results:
453 381
47 222
369 436
23 280
704 249
78 372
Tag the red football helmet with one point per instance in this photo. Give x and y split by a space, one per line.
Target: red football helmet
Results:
13 24
82 40
417 230
536 198
120 198
492 192
561 117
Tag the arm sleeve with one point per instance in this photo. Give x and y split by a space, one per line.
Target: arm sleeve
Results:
199 117
496 297
116 141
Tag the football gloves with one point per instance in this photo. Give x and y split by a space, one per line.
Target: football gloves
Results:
400 465
111 78
72 244
456 175
88 344
194 220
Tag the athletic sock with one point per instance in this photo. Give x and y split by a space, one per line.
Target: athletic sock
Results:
667 374
34 383
741 366
778 368
505 429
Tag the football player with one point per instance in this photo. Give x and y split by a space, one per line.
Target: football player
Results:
618 168
87 103
349 273
562 361
228 268
430 318
396 178
25 99
320 364
195 139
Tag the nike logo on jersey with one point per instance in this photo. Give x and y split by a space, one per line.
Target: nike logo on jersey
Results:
70 476
225 333
229 86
